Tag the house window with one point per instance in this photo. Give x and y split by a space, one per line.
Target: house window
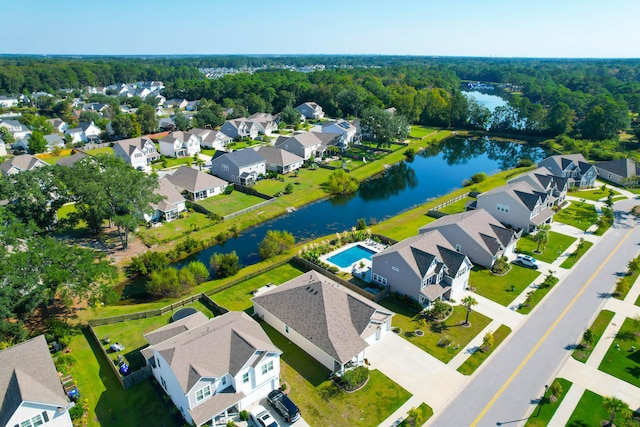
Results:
163 382
245 378
502 208
458 248
286 328
224 380
394 268
203 393
38 420
225 167
267 367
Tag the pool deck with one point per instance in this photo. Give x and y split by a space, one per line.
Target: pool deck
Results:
369 244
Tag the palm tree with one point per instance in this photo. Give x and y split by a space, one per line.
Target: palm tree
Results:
438 309
542 236
614 405
468 302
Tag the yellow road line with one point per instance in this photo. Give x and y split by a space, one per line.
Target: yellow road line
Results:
546 335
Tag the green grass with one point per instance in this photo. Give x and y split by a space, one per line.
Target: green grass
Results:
474 361
169 231
498 288
578 214
620 361
225 204
629 278
576 255
545 410
457 207
321 403
535 296
171 162
582 352
593 194
109 404
419 132
423 413
433 331
238 297
557 245
590 412
638 301
103 150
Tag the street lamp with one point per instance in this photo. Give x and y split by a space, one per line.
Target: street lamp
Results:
542 401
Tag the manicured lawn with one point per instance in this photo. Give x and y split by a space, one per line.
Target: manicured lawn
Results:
169 231
536 295
590 412
457 207
109 404
620 360
451 329
170 162
238 297
423 413
578 214
321 402
593 194
419 132
582 352
103 150
576 255
475 360
498 288
629 279
545 410
307 184
557 245
224 204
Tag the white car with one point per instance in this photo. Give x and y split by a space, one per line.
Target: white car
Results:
527 261
262 418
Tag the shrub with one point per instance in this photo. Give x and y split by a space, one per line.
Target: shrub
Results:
225 265
146 263
164 283
500 266
288 189
444 342
275 243
62 331
354 378
244 415
64 363
622 287
228 189
478 177
361 224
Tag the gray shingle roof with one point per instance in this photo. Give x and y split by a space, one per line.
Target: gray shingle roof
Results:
171 196
278 156
23 162
72 159
330 316
622 167
27 373
193 181
242 158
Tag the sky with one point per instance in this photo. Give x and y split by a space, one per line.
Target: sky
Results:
488 28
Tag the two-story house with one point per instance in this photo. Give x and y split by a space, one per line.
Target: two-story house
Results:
211 367
265 122
240 128
212 139
518 205
574 167
241 167
311 110
308 144
179 144
8 101
85 132
23 162
172 204
30 389
195 184
347 131
58 125
17 129
425 267
541 179
138 152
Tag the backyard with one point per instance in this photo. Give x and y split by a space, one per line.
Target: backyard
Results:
502 289
556 245
594 194
225 204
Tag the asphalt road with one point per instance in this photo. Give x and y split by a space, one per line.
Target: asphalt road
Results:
507 388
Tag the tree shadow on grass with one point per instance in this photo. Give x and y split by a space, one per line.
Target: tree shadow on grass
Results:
633 371
438 327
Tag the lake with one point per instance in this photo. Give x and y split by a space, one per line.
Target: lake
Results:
433 173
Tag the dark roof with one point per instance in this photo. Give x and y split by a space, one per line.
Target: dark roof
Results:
193 181
625 168
72 159
242 158
530 200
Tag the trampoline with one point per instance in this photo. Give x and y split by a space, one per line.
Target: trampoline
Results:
182 313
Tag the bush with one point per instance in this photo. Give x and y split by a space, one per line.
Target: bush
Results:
288 189
146 263
225 265
61 330
64 363
478 177
164 283
275 243
244 415
354 378
228 189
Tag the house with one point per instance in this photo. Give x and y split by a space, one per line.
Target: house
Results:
54 141
192 105
311 110
212 139
23 162
96 107
17 129
3 149
623 172
197 185
242 166
8 101
85 132
328 321
307 144
138 152
265 122
75 157
279 160
347 131
425 267
179 144
541 179
171 206
176 103
240 128
58 125
30 389
518 205
477 234
166 123
572 166
209 367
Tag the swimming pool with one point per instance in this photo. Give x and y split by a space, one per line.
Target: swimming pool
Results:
347 257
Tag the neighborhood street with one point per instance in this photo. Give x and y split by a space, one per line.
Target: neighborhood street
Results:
505 389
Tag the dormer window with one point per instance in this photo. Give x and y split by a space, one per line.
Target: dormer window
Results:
203 393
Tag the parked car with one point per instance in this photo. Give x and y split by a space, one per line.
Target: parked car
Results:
527 261
284 406
262 418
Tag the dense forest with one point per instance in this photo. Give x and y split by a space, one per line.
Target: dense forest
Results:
592 100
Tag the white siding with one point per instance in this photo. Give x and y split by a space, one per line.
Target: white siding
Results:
27 410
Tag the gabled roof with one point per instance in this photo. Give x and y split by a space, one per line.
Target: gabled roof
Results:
222 345
177 135
332 317
311 105
171 195
309 139
565 162
176 328
23 162
193 181
342 125
278 156
521 192
261 117
210 135
131 144
84 125
622 167
27 373
72 159
241 158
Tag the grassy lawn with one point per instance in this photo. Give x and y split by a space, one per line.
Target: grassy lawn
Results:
498 288
457 207
590 412
582 351
168 231
419 132
577 214
224 204
593 194
103 150
629 279
557 245
576 255
109 404
130 334
536 295
422 414
322 403
545 410
434 331
238 297
620 361
475 360
307 186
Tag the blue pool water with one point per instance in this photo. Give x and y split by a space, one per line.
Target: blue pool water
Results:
347 257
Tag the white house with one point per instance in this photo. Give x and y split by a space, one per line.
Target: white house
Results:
328 321
310 110
171 206
58 125
17 129
265 123
240 128
23 162
211 367
138 152
85 132
346 130
179 144
195 184
30 389
212 139
8 101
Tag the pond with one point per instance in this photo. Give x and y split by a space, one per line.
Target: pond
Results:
432 173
